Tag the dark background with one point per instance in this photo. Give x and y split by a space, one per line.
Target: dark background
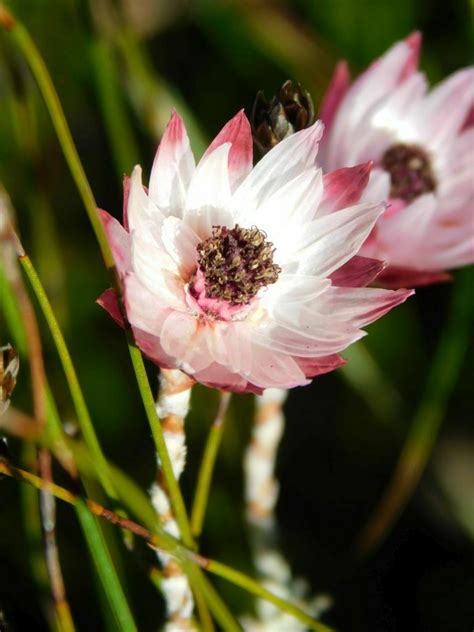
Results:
339 450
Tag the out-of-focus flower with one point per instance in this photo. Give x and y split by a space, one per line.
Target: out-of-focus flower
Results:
9 365
422 146
289 111
246 278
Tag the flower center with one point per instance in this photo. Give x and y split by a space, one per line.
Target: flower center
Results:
410 171
236 263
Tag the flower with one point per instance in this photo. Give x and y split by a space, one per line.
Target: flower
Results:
422 146
245 278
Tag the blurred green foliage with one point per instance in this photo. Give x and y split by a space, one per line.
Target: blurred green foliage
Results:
119 68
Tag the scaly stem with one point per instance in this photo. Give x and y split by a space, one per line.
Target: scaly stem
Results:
207 465
172 405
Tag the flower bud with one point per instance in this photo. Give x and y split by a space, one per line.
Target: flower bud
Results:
289 111
9 365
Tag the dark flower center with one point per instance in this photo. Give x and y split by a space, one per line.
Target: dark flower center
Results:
410 171
236 263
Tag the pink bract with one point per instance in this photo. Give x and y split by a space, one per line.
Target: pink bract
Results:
285 333
428 230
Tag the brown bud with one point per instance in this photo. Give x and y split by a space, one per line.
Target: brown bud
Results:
9 365
289 111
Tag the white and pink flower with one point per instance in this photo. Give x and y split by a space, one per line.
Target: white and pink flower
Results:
422 146
246 278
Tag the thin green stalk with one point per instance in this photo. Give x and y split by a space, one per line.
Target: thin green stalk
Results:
115 115
105 569
424 430
53 104
160 444
164 542
83 416
195 581
252 586
218 608
207 466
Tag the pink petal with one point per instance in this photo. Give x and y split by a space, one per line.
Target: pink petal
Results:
151 347
177 334
344 187
126 192
271 369
413 42
321 335
361 306
404 237
237 132
172 169
394 278
338 87
352 120
119 241
216 376
455 96
358 272
108 300
145 310
312 367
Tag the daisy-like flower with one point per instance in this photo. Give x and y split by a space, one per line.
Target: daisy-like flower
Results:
246 278
422 146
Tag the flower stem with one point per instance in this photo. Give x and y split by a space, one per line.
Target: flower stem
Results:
160 444
41 74
103 561
80 405
252 586
220 611
167 543
207 465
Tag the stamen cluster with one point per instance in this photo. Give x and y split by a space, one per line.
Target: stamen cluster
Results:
410 171
237 263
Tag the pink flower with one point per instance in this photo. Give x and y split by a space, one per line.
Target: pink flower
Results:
422 146
227 269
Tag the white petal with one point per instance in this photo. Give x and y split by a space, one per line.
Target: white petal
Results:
172 169
300 330
208 199
283 163
335 238
140 208
284 213
145 310
181 243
